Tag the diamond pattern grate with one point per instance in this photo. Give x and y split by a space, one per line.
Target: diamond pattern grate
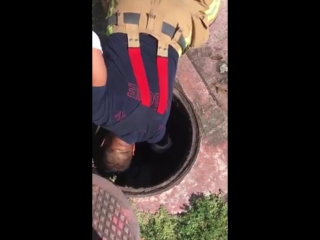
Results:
107 217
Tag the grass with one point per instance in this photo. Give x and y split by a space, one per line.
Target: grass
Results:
205 219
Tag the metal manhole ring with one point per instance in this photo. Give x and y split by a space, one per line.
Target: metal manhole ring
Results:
112 215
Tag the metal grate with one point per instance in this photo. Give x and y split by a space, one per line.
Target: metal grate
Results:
107 216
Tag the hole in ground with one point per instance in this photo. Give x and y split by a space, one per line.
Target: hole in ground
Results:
151 173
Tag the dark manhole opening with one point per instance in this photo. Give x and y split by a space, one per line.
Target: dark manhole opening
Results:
152 173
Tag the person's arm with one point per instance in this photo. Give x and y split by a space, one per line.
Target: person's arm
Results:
99 81
161 142
159 136
99 70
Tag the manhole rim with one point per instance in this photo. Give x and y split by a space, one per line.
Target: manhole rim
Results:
188 164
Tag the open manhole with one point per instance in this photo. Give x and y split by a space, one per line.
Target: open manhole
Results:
151 173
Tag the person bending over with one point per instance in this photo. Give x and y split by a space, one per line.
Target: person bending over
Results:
144 42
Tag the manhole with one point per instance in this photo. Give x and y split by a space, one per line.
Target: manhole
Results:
152 173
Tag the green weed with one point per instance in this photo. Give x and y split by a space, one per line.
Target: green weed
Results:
205 219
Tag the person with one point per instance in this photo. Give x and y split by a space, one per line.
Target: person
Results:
144 42
99 71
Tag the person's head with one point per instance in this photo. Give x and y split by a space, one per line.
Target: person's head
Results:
116 154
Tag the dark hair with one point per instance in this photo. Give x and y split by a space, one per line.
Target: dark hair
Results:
116 160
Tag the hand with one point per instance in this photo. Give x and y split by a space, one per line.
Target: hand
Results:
162 148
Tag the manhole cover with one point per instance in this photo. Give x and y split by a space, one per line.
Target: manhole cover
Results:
112 215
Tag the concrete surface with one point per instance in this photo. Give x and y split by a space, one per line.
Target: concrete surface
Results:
208 59
203 76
